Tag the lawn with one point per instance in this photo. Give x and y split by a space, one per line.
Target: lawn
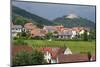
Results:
75 46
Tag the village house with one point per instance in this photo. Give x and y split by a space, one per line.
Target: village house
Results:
50 54
68 33
56 54
53 28
61 31
29 26
81 30
33 30
16 29
65 33
37 32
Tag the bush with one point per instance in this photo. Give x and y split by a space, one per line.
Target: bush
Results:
37 38
15 38
21 58
28 58
37 57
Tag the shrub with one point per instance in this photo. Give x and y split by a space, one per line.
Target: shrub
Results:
21 58
37 38
15 38
28 58
37 57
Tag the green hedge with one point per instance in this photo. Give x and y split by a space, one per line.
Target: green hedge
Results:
28 58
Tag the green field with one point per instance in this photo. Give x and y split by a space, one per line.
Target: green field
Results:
75 46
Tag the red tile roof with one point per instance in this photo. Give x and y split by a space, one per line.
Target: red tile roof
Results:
53 51
29 26
18 48
72 58
56 28
37 32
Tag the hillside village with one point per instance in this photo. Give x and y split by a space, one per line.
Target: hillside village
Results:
58 31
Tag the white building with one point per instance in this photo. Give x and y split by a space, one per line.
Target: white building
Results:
16 29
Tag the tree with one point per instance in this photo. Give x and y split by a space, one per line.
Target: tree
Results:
28 58
21 58
49 35
85 36
55 32
23 34
93 34
39 25
37 57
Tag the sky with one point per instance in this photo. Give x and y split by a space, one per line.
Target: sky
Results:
52 11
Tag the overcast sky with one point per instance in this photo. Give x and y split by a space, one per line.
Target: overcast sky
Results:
52 11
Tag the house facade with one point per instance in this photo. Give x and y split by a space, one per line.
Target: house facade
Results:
51 54
16 29
65 33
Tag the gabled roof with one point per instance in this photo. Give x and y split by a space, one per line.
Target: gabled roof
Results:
50 27
54 28
29 26
37 32
67 32
72 58
54 51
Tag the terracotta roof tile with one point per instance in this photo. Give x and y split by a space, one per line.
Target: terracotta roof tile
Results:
29 26
53 51
18 48
72 58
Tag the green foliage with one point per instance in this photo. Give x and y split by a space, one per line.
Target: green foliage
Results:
37 57
75 22
25 14
49 35
93 34
19 20
55 32
38 38
28 58
39 25
15 38
23 34
21 58
75 46
85 36
20 42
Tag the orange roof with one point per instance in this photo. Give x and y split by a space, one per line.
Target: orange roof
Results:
29 26
37 32
56 28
